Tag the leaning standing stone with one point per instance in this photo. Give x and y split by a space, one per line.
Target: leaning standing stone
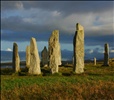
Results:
16 59
54 52
78 43
106 54
34 58
28 56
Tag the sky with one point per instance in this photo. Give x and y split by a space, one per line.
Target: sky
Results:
21 20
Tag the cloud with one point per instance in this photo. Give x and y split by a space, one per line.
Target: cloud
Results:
66 7
111 51
99 40
49 14
88 51
40 22
21 20
8 49
96 52
11 5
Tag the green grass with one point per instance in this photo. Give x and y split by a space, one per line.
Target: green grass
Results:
96 82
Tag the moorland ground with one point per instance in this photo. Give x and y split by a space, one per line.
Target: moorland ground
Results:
96 83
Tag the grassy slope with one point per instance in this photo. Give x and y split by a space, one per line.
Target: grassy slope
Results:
95 83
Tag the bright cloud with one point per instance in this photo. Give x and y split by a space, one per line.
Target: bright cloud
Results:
111 51
8 49
21 20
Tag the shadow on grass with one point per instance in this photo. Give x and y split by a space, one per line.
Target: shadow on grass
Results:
45 72
6 71
10 71
66 74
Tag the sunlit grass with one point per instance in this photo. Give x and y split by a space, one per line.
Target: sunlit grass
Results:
96 82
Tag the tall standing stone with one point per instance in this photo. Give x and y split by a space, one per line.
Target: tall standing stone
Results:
106 54
73 60
28 56
94 61
44 56
59 54
78 43
34 58
16 59
54 52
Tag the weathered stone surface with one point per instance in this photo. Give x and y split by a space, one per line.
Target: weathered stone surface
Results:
44 56
16 59
28 56
34 58
73 60
54 52
94 61
78 43
106 54
59 54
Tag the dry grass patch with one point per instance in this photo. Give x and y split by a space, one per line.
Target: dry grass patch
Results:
96 83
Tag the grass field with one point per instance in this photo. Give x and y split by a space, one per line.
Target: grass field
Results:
96 83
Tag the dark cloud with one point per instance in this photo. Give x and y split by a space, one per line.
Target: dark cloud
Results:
65 7
11 5
17 24
17 28
22 20
64 38
22 37
99 40
14 28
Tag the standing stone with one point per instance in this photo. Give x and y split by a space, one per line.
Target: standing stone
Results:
73 60
54 52
28 56
95 61
106 54
34 58
78 43
59 54
44 55
16 59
